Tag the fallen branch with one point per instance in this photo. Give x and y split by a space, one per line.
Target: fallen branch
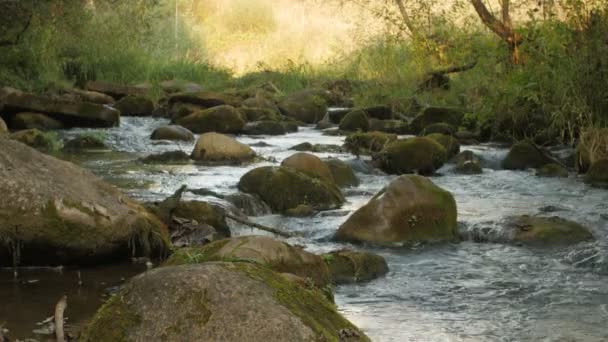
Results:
62 304
260 227
439 79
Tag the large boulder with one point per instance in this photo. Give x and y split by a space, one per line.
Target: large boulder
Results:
411 209
545 230
368 142
205 99
347 267
524 155
71 114
433 115
117 91
355 121
342 173
220 119
284 188
172 132
218 301
135 106
215 147
61 214
308 106
598 174
310 165
28 120
451 144
278 255
414 155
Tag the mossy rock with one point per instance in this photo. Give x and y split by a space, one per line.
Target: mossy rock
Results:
524 155
172 132
440 127
368 142
414 155
336 115
63 214
318 148
218 148
46 142
85 142
251 114
347 267
205 99
451 144
598 174
283 188
309 164
27 120
308 105
546 230
379 112
265 128
135 106
467 163
552 170
389 126
303 210
180 110
355 121
199 211
262 99
277 255
220 119
170 157
217 302
433 115
342 173
412 208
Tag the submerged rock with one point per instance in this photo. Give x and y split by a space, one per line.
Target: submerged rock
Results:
61 214
524 155
355 121
215 147
284 188
348 266
28 120
421 155
467 163
552 170
598 174
308 105
546 230
169 157
411 209
342 173
172 132
277 255
221 302
310 165
368 142
135 106
220 119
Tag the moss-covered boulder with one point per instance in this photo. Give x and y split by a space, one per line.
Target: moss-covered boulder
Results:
414 155
389 126
61 214
412 208
467 163
451 144
172 132
367 142
284 188
266 127
342 173
335 115
278 255
356 120
433 115
552 170
309 164
347 267
135 106
85 142
440 127
524 155
169 157
218 301
219 148
220 119
308 105
546 230
252 114
28 120
598 174
34 138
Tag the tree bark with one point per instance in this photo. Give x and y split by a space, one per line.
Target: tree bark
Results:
406 18
503 28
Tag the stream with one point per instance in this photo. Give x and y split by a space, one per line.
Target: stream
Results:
466 291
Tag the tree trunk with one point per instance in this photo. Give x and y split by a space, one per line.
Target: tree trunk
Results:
502 28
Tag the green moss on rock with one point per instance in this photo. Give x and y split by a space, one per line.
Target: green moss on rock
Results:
451 144
356 120
547 230
421 155
368 142
524 155
220 119
348 266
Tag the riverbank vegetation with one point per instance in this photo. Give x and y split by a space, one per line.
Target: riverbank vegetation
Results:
529 69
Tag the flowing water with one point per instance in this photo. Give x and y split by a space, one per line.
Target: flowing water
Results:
467 291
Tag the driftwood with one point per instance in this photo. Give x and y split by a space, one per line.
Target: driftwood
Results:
260 227
62 304
439 79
